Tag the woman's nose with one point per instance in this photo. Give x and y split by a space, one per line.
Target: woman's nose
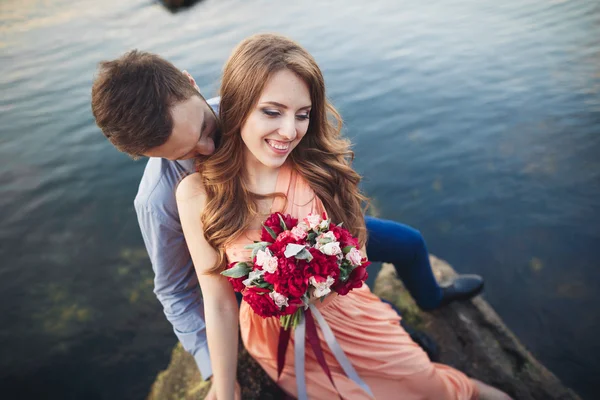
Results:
288 129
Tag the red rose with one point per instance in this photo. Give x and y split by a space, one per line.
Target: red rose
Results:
274 223
355 280
290 221
279 246
294 304
322 265
290 278
261 302
343 236
237 283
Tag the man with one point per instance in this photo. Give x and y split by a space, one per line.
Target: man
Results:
147 107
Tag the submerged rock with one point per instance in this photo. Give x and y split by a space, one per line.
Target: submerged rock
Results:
471 337
177 4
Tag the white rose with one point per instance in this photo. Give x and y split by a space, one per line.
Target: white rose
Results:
331 249
321 288
324 225
302 225
262 256
279 299
326 237
355 257
270 265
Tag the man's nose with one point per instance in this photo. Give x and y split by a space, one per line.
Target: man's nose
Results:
206 147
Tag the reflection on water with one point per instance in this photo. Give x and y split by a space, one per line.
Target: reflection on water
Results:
475 122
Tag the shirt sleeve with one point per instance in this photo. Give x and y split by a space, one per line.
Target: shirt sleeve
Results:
175 283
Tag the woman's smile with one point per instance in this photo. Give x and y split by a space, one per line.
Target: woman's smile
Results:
277 146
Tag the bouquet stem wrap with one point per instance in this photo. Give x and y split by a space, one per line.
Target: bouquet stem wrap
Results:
306 329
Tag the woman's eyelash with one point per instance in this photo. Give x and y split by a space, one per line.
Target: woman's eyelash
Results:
272 113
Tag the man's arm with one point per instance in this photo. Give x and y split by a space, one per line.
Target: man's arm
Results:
175 282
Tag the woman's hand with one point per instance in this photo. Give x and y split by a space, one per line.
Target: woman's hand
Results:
212 393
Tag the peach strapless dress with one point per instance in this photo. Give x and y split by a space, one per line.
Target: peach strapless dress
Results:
368 330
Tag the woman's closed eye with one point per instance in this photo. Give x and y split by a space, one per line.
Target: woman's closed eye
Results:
271 113
275 113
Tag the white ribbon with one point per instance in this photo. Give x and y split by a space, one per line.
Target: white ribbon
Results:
299 335
334 346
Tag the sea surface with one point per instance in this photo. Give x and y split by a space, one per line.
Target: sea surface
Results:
476 122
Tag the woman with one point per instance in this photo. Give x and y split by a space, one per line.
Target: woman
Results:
285 155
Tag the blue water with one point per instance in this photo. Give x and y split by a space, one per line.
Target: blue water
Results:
476 122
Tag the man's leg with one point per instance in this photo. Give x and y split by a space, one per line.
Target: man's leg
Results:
404 247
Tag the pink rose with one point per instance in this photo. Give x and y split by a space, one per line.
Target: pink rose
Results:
298 232
312 220
279 299
355 257
322 286
285 235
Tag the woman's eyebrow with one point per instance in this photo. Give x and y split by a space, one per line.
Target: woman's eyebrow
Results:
274 103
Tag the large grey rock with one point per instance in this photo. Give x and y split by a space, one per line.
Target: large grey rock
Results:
471 336
473 339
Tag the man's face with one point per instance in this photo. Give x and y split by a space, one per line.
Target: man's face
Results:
194 129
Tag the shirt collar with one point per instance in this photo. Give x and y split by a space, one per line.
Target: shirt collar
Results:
187 165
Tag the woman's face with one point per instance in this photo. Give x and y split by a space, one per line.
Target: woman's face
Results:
279 121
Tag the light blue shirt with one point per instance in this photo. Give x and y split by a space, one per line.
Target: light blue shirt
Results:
175 281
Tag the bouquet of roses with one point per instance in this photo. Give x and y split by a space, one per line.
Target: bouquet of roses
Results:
296 262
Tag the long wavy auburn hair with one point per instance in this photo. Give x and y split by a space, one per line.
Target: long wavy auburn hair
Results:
323 158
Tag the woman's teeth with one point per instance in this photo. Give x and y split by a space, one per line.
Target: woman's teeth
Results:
278 145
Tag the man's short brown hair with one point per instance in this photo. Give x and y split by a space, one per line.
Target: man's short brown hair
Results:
132 97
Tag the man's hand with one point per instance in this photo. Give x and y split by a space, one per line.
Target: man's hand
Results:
212 393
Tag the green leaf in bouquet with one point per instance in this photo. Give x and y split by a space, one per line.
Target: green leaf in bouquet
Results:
347 249
282 223
305 300
345 271
256 247
271 232
311 237
254 278
239 270
325 240
304 255
292 249
340 224
264 285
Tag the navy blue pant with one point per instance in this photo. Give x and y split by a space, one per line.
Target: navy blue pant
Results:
404 247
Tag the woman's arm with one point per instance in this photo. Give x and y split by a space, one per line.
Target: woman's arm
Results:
220 304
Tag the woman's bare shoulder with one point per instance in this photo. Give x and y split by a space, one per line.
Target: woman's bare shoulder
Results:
190 187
